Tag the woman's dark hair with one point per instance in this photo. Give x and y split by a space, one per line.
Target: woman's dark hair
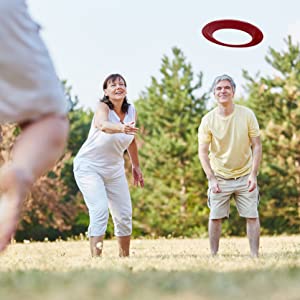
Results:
105 99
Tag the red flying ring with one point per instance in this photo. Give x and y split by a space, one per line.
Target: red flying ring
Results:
209 29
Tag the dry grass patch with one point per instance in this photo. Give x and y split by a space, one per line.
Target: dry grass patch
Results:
161 269
149 255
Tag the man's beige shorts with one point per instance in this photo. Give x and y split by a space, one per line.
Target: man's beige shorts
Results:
246 202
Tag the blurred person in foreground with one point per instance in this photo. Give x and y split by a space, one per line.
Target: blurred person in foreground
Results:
32 96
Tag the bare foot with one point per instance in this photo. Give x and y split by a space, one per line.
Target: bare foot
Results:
14 184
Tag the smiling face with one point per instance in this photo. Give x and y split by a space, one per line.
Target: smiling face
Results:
116 89
224 92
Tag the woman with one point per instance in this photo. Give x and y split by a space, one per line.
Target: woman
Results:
99 166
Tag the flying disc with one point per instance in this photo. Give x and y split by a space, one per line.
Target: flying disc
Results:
209 29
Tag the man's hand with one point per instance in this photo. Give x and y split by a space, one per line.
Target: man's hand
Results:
214 185
252 182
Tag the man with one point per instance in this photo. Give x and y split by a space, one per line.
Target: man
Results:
32 96
231 133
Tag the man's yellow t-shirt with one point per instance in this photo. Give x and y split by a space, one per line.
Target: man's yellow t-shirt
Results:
229 138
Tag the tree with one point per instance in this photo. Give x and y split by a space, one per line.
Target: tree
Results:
275 100
169 113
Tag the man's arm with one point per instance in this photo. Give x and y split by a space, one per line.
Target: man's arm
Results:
204 159
256 158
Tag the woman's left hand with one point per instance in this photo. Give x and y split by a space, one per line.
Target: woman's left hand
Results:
137 176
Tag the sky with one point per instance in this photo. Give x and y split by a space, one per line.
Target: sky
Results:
88 40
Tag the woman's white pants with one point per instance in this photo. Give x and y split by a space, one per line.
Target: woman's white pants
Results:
103 194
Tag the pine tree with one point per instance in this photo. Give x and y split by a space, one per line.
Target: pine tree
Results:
275 100
174 199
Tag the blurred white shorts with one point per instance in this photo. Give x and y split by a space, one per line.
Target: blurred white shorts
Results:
29 86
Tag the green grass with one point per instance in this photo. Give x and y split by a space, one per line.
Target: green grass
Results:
157 269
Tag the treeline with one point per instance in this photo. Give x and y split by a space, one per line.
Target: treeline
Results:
173 202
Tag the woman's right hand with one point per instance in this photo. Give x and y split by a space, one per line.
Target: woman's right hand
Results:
129 128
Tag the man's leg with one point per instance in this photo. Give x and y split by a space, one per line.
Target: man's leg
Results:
219 204
247 205
253 233
214 231
36 150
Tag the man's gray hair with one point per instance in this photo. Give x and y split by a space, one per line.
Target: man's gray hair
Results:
221 78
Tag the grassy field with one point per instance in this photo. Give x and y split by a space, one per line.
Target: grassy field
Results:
157 269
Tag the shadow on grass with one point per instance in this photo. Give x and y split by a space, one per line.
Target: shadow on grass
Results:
98 284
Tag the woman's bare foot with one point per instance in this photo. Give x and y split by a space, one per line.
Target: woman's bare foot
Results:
14 185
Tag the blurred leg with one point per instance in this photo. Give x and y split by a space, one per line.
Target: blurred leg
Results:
36 150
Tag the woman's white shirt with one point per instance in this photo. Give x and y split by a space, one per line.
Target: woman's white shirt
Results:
104 152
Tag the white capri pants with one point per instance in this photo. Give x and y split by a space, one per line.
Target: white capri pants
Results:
101 194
